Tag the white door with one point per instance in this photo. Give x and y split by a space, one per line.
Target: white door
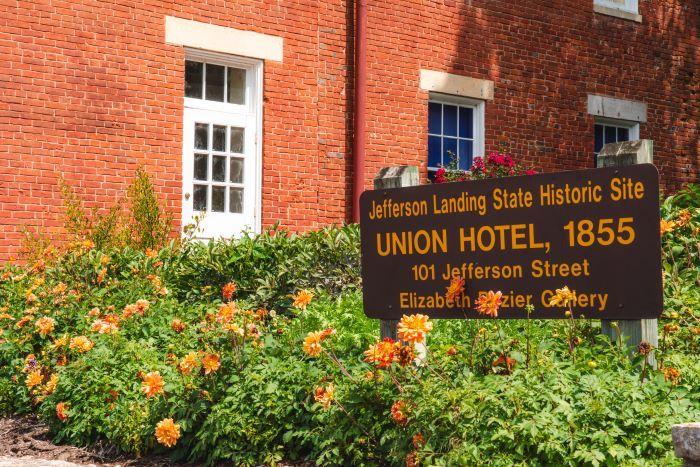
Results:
220 156
219 172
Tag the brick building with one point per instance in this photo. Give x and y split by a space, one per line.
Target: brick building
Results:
245 108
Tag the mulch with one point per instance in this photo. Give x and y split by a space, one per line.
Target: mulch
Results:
25 441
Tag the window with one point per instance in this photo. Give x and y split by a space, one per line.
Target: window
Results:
613 131
221 158
455 132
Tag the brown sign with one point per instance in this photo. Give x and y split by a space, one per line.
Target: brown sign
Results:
595 231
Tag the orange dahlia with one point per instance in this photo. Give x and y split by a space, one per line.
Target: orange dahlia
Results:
302 299
177 325
562 297
188 363
167 432
45 325
152 384
62 411
211 362
325 395
34 378
489 303
666 226
81 344
228 290
413 328
383 353
312 343
455 289
399 413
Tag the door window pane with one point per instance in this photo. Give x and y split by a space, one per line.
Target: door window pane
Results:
236 170
610 134
193 79
199 198
235 203
236 86
201 136
218 169
218 142
218 198
215 82
237 137
200 166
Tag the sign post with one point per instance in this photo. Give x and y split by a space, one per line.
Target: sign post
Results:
595 231
638 330
394 177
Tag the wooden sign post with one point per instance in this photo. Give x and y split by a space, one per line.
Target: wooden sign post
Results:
633 331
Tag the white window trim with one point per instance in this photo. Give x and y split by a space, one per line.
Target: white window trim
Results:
255 106
479 146
627 10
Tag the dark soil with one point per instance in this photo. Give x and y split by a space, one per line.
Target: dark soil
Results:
26 441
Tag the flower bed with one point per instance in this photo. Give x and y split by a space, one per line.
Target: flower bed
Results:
258 350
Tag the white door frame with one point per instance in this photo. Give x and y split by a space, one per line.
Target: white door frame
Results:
252 109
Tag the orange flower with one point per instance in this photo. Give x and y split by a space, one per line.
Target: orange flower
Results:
234 328
34 378
226 312
455 289
666 226
81 344
62 411
211 362
45 325
452 351
325 395
562 297
94 312
383 353
414 328
312 343
228 290
418 440
489 303
51 384
672 374
177 325
151 253
684 217
23 322
103 326
167 432
398 412
152 384
188 363
142 306
505 362
302 299
405 354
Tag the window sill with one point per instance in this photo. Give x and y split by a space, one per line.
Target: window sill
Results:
617 13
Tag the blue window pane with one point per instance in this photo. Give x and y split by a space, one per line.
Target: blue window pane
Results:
466 153
466 122
449 150
610 136
623 134
434 155
598 138
449 120
434 118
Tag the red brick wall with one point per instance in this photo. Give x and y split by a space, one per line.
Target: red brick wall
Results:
90 90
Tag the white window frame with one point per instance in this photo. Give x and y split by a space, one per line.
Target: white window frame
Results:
479 145
253 107
633 127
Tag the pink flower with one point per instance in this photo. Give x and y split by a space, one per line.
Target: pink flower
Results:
530 172
440 176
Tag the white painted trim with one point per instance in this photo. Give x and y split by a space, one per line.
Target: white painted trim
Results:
633 127
458 85
197 35
620 109
618 13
